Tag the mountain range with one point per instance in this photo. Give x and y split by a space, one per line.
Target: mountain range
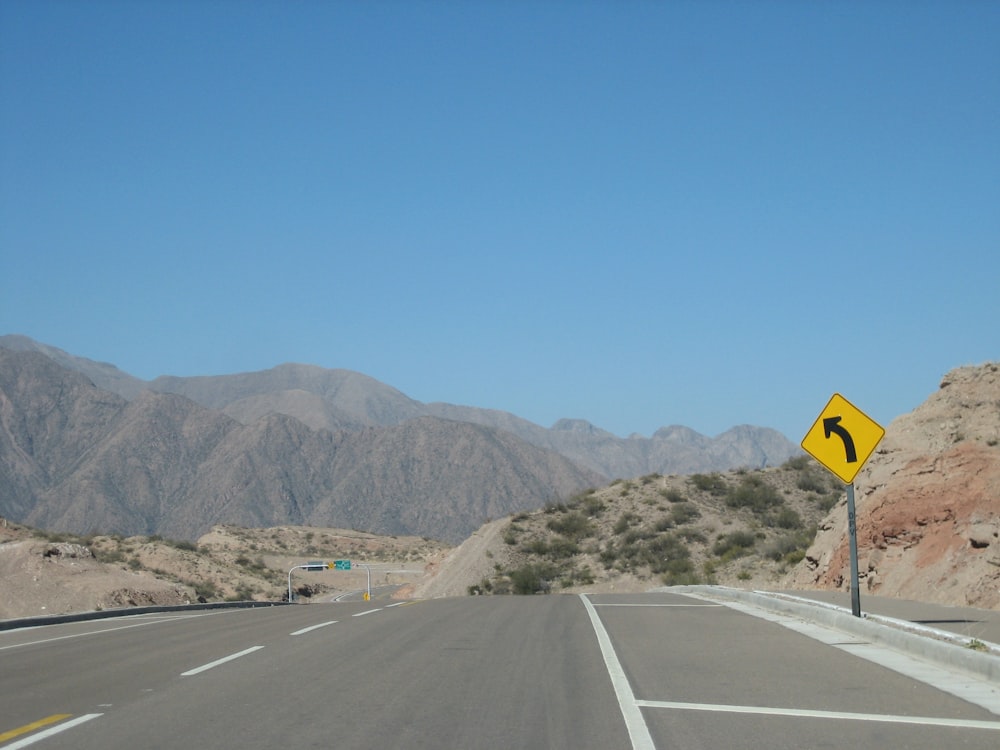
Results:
86 446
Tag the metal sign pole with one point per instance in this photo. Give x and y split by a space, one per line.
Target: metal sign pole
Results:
852 530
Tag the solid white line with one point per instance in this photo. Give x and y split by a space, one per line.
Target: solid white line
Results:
811 714
362 614
94 632
51 731
314 627
223 660
972 689
689 606
638 732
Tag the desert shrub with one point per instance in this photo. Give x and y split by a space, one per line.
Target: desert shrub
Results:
204 589
810 481
533 578
734 544
573 526
826 502
796 463
790 548
787 518
625 521
536 547
673 495
753 493
712 483
691 534
664 523
109 556
593 506
561 547
510 534
683 513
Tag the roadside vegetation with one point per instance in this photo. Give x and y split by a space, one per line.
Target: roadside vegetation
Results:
722 527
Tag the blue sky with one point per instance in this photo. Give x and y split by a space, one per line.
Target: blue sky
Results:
635 213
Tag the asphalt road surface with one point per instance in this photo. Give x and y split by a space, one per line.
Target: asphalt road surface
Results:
637 671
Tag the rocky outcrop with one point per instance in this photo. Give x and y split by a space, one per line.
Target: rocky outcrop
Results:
928 503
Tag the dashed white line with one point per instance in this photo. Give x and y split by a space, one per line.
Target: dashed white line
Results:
223 660
313 627
368 612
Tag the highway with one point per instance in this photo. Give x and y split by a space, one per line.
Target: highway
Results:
643 671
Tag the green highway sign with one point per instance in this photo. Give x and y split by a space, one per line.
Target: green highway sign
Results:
342 564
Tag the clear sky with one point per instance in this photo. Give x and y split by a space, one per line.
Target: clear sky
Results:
635 213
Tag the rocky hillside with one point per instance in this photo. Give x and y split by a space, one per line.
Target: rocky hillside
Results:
44 573
928 522
746 527
928 503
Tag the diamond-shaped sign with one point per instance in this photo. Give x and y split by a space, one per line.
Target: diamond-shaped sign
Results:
842 438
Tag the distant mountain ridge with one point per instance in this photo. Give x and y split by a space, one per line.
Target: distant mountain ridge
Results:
78 458
337 399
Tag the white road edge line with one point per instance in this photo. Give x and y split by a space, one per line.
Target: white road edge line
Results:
142 624
638 732
51 731
689 606
362 614
313 627
813 714
223 660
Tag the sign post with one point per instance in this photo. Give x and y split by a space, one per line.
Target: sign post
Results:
842 438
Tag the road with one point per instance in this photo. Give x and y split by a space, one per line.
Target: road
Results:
633 671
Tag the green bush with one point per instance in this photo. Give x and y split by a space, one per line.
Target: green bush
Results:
753 493
560 547
735 544
797 463
810 481
712 483
574 526
683 513
787 518
533 578
673 495
625 521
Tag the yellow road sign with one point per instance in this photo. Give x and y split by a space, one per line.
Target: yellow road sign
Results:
842 438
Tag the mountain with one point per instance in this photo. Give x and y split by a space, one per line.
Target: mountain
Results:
74 457
928 503
347 400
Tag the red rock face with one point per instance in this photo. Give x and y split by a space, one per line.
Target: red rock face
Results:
928 503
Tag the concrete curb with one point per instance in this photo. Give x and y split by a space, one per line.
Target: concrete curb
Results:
31 622
939 647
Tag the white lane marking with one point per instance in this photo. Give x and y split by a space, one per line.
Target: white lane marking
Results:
362 614
92 632
971 689
313 627
811 714
638 732
397 604
689 606
51 731
223 660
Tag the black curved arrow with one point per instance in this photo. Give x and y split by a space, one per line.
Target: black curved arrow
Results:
831 425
